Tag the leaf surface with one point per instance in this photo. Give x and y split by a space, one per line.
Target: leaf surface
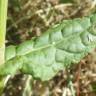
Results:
58 48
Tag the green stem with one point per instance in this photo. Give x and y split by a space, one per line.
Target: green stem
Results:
3 17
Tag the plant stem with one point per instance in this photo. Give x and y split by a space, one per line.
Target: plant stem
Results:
3 17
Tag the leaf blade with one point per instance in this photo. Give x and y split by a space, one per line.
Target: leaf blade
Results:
56 49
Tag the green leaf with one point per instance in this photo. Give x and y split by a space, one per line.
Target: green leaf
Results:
58 48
